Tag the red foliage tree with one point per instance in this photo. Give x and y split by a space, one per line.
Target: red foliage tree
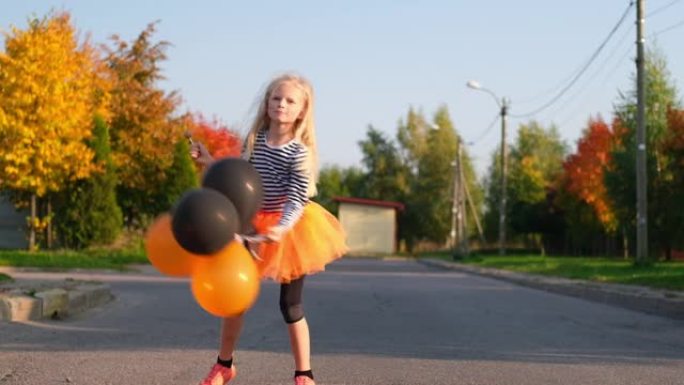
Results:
216 136
584 170
674 142
673 147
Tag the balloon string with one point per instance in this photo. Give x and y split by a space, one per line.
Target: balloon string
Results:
251 239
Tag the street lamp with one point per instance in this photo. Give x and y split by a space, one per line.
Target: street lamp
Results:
503 107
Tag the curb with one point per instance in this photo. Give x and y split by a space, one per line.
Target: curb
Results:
668 303
67 299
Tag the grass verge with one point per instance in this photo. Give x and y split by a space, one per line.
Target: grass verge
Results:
69 259
664 275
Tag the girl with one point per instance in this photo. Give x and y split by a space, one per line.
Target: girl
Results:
301 237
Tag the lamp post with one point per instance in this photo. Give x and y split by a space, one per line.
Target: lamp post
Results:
503 108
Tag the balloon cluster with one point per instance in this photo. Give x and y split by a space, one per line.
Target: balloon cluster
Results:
197 239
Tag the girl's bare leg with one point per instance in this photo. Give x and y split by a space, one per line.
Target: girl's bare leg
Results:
230 332
300 344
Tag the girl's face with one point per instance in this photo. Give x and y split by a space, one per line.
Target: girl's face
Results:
286 103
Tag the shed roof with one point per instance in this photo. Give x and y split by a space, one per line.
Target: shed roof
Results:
370 202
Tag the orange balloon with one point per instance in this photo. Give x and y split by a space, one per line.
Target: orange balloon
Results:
164 252
227 283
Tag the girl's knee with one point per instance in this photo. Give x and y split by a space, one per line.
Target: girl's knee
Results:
291 311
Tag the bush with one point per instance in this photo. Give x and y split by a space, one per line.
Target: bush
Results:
181 176
87 213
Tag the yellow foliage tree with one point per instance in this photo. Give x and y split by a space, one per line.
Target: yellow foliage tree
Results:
143 127
50 88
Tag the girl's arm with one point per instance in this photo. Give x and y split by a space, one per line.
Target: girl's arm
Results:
200 154
296 192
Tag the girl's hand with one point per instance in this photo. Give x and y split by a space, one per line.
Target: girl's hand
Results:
200 154
275 233
251 243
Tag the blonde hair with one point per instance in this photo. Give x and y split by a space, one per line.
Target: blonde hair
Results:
304 129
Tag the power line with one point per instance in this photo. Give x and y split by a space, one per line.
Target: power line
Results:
667 29
600 70
664 7
583 70
629 50
551 90
486 131
621 61
611 74
563 81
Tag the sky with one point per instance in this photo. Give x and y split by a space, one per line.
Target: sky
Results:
372 60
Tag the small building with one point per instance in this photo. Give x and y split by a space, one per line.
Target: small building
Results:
12 226
371 225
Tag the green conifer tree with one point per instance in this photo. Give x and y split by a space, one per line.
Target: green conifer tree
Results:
87 213
180 177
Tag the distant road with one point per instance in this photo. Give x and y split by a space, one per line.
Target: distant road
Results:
372 322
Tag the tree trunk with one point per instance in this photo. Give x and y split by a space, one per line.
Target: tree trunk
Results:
625 244
542 246
668 252
32 229
49 224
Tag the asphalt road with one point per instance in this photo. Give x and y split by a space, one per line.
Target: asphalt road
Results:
372 322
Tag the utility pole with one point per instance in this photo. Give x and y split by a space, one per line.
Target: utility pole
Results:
455 214
475 217
641 176
504 172
462 202
503 106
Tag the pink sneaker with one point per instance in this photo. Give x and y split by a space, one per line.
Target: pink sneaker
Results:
303 380
219 375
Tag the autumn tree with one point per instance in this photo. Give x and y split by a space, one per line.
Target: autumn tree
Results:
585 168
673 145
220 140
50 87
535 166
589 217
144 130
620 175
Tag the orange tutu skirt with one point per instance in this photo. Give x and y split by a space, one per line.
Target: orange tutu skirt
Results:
314 241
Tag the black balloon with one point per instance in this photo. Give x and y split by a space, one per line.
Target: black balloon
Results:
240 182
204 221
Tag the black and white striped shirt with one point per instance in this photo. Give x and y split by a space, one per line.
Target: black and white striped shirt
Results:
284 180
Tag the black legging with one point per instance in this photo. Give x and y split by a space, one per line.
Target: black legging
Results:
291 300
